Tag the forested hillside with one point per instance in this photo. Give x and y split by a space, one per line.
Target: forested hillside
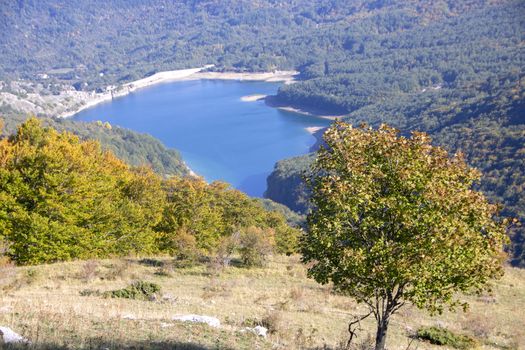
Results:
132 147
126 40
392 60
490 132
62 198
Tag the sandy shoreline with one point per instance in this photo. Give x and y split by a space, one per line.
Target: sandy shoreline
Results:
94 99
253 98
286 77
70 102
313 129
310 114
91 99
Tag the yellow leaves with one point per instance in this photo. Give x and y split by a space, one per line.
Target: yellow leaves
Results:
6 152
73 191
78 192
406 209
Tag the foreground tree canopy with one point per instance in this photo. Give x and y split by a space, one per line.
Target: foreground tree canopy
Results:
62 198
395 220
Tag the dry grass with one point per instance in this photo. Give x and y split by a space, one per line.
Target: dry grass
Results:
44 304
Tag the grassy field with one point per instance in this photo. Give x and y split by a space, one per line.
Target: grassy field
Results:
44 304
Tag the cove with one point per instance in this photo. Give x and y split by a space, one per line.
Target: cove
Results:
219 136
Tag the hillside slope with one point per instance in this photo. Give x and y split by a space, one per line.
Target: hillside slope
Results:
490 131
132 147
45 304
126 40
452 69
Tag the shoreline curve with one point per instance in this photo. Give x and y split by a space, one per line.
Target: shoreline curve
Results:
91 99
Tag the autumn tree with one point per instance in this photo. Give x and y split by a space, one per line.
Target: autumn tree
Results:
396 220
62 198
203 215
255 245
190 218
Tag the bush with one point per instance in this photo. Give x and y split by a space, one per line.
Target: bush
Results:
226 248
272 321
116 270
88 271
287 241
72 200
442 336
255 246
204 216
7 269
90 293
185 248
163 271
139 290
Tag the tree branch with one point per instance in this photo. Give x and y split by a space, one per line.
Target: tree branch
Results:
352 331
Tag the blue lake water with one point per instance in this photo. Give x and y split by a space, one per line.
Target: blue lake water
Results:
219 136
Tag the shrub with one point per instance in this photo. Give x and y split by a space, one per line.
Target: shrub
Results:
88 271
151 262
90 293
185 247
306 338
211 212
31 276
227 247
4 259
7 269
272 321
297 293
163 271
442 336
287 240
116 270
216 288
255 246
139 290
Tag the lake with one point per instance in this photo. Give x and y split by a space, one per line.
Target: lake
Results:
219 136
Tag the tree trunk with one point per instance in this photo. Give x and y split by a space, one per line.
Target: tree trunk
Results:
382 328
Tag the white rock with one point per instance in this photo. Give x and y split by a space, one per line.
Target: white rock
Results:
261 331
128 317
165 325
258 330
210 321
5 309
11 337
169 297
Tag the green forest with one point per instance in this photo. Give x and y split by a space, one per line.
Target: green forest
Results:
451 69
132 147
335 44
491 134
62 198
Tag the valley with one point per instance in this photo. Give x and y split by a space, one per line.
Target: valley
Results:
220 135
239 174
